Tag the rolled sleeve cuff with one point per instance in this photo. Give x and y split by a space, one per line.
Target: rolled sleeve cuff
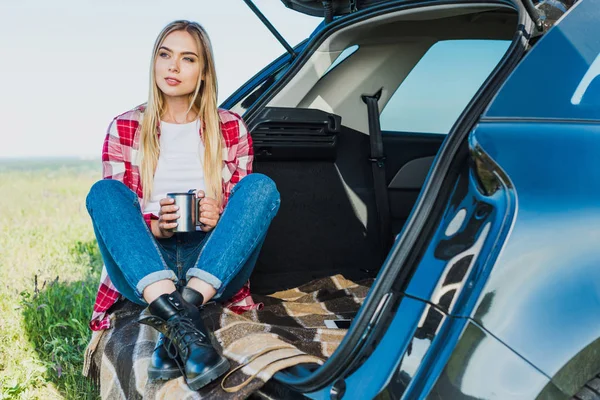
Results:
205 276
153 278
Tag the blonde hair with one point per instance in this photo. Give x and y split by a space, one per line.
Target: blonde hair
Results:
203 101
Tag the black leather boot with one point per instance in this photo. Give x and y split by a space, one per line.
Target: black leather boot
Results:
163 366
181 322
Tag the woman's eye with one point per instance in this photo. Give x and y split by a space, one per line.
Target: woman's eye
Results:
189 59
163 55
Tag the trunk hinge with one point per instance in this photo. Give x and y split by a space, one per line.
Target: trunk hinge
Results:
328 9
270 27
537 16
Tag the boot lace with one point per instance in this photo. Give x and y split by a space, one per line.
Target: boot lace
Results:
185 332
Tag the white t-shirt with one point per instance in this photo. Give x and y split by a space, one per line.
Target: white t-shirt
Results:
179 167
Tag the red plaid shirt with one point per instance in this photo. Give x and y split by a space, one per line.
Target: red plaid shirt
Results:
119 161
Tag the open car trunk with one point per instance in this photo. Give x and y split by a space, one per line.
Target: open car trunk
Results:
312 139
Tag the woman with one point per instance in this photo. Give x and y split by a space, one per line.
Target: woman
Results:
178 141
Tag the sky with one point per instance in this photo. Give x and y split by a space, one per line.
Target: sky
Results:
68 67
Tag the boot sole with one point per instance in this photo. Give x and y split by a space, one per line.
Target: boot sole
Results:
163 374
202 380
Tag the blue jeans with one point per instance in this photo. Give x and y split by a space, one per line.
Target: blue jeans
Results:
223 257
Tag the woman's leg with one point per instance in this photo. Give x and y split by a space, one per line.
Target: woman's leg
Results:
131 255
233 246
241 278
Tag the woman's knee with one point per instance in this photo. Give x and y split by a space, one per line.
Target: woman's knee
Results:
104 189
261 186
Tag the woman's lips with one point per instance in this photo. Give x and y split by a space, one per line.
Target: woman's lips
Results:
172 81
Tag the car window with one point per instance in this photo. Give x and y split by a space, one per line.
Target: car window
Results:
440 86
246 102
343 56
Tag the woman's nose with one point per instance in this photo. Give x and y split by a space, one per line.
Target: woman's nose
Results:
174 67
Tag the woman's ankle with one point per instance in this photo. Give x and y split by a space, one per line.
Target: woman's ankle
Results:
205 289
157 289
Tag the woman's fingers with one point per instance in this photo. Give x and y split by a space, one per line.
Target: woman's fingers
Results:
168 217
208 224
166 226
167 207
210 221
167 220
167 210
208 200
206 228
209 205
211 215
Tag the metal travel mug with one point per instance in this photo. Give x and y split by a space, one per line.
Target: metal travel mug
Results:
188 211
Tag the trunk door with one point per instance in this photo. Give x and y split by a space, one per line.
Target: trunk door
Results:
318 8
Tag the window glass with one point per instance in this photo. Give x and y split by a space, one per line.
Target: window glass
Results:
343 55
440 86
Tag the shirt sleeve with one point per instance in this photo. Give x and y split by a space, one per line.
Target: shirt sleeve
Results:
244 157
245 152
113 160
114 165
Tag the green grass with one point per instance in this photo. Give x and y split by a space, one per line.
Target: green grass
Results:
49 269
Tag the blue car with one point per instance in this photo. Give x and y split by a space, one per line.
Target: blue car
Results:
451 150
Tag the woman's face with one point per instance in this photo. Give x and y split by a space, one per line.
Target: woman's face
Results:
178 65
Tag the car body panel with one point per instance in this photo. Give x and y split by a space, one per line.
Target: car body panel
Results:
560 77
543 296
483 368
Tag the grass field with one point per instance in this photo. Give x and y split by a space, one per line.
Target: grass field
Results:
49 269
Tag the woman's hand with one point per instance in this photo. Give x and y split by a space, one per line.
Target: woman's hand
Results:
209 212
167 219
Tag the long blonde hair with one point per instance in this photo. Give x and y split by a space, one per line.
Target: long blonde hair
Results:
203 101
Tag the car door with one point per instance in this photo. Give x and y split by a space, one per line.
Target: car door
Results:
525 245
547 144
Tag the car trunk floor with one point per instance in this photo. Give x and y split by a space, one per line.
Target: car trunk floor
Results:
287 329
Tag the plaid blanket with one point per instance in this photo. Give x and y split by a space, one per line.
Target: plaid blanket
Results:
287 331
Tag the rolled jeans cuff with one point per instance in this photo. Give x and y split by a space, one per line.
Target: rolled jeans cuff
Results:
205 276
153 278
